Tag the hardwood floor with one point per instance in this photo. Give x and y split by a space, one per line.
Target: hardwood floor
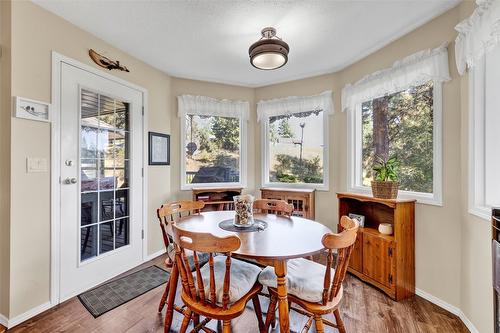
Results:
364 309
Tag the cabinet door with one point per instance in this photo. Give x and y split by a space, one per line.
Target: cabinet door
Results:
299 204
378 259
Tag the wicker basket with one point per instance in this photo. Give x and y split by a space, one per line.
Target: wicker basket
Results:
385 190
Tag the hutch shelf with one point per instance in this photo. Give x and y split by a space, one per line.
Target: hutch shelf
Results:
216 198
301 199
385 261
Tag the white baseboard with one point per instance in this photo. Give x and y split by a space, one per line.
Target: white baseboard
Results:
154 255
4 321
28 314
448 307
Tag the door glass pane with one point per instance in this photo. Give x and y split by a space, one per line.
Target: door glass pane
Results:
89 208
121 203
122 233
122 115
88 239
122 175
89 124
88 175
121 145
105 144
106 112
104 170
106 237
88 143
107 178
107 201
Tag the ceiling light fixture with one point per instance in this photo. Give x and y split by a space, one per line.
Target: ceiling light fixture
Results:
269 52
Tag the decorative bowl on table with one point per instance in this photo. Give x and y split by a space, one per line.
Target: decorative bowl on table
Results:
243 206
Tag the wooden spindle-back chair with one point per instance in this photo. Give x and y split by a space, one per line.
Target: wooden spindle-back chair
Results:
271 206
168 214
343 243
202 294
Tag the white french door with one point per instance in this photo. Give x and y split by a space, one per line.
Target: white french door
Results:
101 179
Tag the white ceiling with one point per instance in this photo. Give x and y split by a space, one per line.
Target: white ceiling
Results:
209 40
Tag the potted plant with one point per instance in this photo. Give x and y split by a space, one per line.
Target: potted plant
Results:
385 184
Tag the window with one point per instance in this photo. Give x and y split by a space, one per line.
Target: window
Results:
405 124
296 152
296 148
401 125
484 137
212 149
213 143
397 112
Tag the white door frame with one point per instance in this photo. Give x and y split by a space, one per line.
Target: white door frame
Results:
55 263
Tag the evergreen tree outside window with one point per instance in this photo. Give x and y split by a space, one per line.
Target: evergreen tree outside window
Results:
402 125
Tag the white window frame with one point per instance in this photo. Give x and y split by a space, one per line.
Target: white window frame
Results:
325 186
243 158
477 139
354 162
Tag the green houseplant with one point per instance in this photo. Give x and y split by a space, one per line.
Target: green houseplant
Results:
385 184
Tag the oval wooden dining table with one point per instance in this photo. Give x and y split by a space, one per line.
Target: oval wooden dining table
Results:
284 238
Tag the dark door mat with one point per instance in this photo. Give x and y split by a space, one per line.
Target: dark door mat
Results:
104 298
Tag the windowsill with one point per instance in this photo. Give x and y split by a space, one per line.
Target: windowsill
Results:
189 187
317 187
482 212
422 198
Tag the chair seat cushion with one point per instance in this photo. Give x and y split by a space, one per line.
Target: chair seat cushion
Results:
243 278
304 279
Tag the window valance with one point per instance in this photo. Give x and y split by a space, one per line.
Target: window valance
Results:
208 106
413 70
295 104
477 34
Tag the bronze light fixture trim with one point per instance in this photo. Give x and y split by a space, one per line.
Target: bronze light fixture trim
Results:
269 52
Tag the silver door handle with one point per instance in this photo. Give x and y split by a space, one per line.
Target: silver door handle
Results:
70 181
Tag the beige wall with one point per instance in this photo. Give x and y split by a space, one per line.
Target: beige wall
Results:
35 33
5 102
453 262
216 90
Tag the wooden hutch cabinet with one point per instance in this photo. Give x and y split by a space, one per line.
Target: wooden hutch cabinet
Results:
216 198
385 261
302 200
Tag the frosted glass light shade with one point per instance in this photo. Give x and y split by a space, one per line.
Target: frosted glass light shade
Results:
269 60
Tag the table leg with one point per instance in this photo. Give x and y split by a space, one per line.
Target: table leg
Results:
280 270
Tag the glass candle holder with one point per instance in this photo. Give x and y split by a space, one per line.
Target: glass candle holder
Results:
243 206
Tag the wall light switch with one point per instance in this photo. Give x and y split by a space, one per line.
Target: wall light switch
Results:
35 164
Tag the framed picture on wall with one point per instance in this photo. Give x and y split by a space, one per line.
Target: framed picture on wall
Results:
159 149
31 109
